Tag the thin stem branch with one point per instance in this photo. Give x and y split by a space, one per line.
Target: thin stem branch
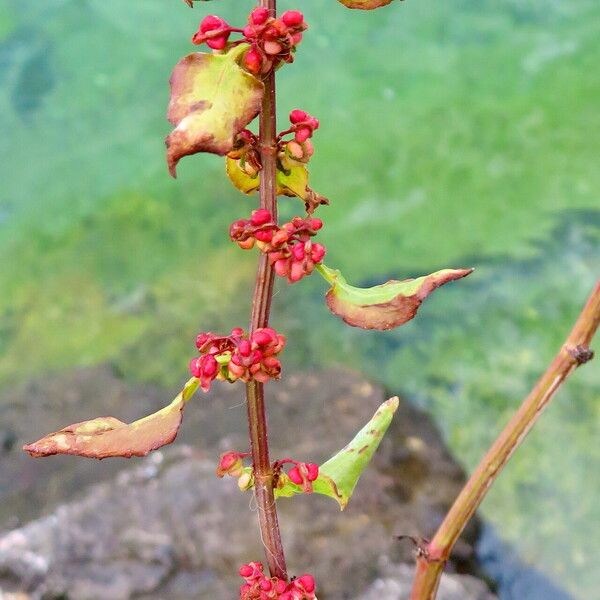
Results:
574 352
261 307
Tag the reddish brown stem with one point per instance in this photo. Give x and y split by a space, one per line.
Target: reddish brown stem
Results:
574 352
261 307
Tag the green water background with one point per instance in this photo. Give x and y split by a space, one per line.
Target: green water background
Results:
463 133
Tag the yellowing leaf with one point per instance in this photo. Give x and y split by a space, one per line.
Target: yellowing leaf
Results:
240 179
108 437
340 474
293 182
212 100
383 306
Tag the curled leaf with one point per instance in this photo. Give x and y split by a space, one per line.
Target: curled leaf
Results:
240 179
106 437
340 474
365 4
294 182
383 306
212 100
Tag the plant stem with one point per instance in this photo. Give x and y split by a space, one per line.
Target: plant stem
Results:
261 307
575 351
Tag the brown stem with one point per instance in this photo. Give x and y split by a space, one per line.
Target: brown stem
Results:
574 352
261 307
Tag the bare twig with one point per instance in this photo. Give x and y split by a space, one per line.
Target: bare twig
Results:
574 352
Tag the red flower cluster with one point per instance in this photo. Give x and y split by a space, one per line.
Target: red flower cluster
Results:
289 247
238 356
271 40
303 125
260 587
300 148
232 463
303 474
290 153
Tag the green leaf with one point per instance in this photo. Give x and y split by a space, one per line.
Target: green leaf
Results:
365 4
106 437
212 100
383 306
340 474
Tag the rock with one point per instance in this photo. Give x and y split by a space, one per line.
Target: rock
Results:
396 584
166 527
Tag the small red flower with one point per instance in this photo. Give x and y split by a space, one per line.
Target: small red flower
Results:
231 463
259 15
253 60
292 18
303 125
303 474
206 369
213 31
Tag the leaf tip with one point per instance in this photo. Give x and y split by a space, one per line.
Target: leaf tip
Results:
32 451
172 157
392 404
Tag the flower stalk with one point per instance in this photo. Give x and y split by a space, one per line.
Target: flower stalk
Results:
261 307
574 352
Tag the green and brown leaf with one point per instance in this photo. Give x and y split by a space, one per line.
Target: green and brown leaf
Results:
212 100
106 437
365 4
383 306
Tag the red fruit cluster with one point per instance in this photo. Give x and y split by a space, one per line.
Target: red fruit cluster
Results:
260 587
289 247
271 40
238 356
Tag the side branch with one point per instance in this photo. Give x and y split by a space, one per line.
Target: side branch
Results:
574 352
